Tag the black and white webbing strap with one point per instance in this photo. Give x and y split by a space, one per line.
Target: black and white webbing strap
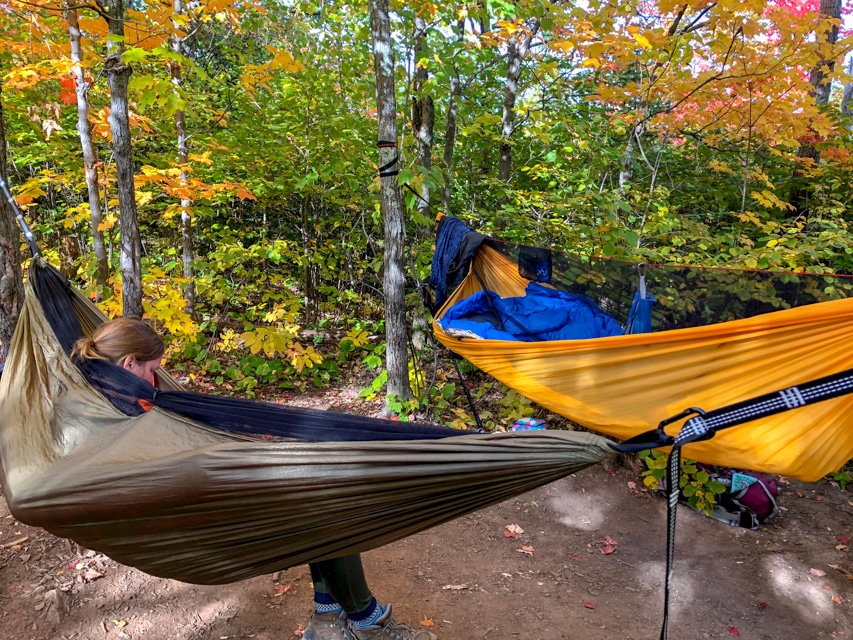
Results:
389 168
701 425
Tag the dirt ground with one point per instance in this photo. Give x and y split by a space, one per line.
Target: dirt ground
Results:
466 580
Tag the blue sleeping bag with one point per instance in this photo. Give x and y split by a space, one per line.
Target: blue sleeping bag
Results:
541 314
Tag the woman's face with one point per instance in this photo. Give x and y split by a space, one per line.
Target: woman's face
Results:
143 368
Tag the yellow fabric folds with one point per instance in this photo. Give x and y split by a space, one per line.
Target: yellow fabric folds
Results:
624 385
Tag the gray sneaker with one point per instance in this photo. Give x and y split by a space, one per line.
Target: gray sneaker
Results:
326 626
384 629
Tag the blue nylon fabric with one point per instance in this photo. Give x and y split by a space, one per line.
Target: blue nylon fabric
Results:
540 315
451 231
640 316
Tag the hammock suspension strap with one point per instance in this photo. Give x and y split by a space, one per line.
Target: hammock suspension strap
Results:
390 168
702 425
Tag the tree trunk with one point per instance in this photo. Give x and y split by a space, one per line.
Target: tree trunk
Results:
11 282
451 128
391 204
821 87
118 75
90 154
423 118
517 48
183 160
847 99
308 243
626 167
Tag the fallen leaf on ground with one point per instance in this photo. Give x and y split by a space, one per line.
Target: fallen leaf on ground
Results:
90 575
632 486
575 557
14 543
733 631
120 623
513 530
426 622
608 545
843 538
526 549
298 631
281 589
589 605
817 572
762 606
455 587
837 600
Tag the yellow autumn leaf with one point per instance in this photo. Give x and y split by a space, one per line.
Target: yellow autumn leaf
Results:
108 223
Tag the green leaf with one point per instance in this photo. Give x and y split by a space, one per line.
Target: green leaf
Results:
133 54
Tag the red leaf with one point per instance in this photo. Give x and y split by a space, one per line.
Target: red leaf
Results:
733 631
509 534
843 538
589 605
762 606
575 557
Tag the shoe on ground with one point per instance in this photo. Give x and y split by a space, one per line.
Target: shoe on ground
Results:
326 626
385 629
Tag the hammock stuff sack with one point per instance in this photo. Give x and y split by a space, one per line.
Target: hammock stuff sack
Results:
190 490
719 337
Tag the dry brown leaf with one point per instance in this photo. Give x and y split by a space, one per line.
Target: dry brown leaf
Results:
14 543
526 549
513 530
817 572
90 575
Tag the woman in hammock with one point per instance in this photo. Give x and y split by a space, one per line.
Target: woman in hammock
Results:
344 607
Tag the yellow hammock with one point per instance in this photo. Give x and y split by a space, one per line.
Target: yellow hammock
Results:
625 385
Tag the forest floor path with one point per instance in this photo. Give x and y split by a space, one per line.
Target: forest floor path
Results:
466 580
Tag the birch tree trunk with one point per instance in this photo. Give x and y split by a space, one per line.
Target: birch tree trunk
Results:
391 204
90 154
11 282
118 75
423 117
187 253
847 98
451 129
516 50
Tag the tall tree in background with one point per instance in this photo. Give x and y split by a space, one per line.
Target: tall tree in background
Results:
847 98
830 18
517 46
187 252
423 114
118 75
11 282
394 280
90 154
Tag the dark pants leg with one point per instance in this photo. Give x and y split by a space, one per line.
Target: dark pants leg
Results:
343 579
